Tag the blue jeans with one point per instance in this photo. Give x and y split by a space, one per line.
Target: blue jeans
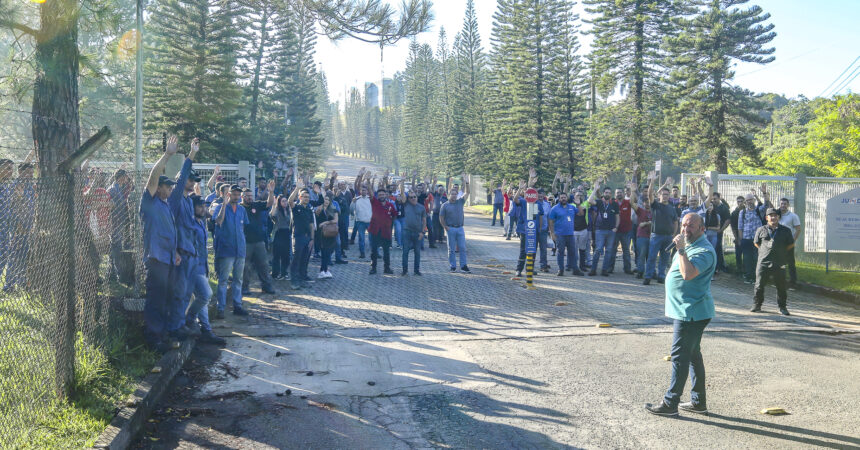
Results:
181 292
199 285
361 227
603 242
541 242
687 358
566 244
456 239
398 230
658 244
412 242
225 268
159 280
624 240
500 207
643 244
512 225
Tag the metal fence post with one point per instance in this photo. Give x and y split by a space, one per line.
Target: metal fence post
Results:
800 210
245 171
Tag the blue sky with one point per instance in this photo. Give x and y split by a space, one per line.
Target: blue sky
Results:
815 42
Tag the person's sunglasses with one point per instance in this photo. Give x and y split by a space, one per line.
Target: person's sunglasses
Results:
412 196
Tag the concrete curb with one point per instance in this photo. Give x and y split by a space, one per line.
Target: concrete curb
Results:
830 292
132 416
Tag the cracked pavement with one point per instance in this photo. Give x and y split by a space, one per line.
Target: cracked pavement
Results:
476 361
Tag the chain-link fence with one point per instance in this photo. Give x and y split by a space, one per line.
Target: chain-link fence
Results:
69 247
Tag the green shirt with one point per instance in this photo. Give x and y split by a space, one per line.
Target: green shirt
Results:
691 300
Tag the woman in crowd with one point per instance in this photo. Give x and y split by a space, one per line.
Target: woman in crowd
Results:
327 216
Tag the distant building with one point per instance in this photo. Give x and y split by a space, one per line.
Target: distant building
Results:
371 95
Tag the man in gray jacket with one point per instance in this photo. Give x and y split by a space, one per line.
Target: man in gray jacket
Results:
414 225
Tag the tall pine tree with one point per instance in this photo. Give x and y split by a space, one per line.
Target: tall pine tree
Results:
711 115
192 84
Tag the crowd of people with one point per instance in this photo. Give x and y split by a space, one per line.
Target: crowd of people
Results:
275 230
580 224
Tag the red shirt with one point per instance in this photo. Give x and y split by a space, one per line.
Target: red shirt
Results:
382 218
644 215
625 224
507 202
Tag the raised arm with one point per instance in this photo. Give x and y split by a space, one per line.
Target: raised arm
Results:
465 186
211 183
594 190
291 201
222 211
158 168
357 184
271 188
532 176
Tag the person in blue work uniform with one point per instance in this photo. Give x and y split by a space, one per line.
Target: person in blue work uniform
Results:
230 218
120 231
543 233
304 224
23 208
562 218
7 170
183 216
159 251
522 221
198 284
256 238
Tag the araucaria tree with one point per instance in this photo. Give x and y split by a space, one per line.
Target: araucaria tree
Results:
711 116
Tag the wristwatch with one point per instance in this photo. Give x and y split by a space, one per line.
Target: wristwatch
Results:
682 251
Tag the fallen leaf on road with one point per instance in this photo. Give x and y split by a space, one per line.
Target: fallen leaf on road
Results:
326 406
371 383
560 303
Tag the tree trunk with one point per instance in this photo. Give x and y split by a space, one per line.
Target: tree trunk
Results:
638 86
55 122
258 64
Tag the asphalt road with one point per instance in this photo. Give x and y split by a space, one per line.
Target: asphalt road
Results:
475 361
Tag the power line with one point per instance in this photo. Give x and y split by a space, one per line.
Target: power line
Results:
845 85
840 76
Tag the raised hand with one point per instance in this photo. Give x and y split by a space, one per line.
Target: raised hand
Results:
532 172
652 175
271 186
764 188
217 169
172 145
195 147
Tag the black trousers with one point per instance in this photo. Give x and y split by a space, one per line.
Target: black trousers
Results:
762 276
376 241
792 267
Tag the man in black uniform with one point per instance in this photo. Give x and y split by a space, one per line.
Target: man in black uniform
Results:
773 242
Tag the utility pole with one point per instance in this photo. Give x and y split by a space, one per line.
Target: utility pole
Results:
138 94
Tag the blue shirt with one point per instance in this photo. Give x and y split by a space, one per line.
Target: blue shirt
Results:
202 258
544 208
183 212
691 300
159 230
521 215
563 218
230 235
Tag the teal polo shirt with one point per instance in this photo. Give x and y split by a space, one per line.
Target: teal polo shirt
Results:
692 300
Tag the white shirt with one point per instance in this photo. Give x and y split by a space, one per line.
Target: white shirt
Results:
790 220
363 210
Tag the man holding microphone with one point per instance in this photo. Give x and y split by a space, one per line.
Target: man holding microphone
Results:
690 304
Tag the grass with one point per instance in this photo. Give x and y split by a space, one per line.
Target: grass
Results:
108 364
815 274
483 209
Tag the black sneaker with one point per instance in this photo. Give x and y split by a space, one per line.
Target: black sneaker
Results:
388 271
592 273
219 314
646 281
465 269
372 271
690 407
604 273
661 280
239 311
519 273
207 337
560 273
361 255
784 311
756 308
453 269
579 273
661 409
432 245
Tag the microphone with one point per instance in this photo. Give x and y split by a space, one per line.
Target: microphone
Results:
669 248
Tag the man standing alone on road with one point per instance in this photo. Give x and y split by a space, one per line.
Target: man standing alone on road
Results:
773 242
452 219
690 304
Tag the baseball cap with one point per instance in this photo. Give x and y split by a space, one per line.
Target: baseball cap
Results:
193 176
235 187
164 179
119 174
196 200
772 211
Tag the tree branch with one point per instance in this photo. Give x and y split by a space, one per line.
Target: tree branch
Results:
18 26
